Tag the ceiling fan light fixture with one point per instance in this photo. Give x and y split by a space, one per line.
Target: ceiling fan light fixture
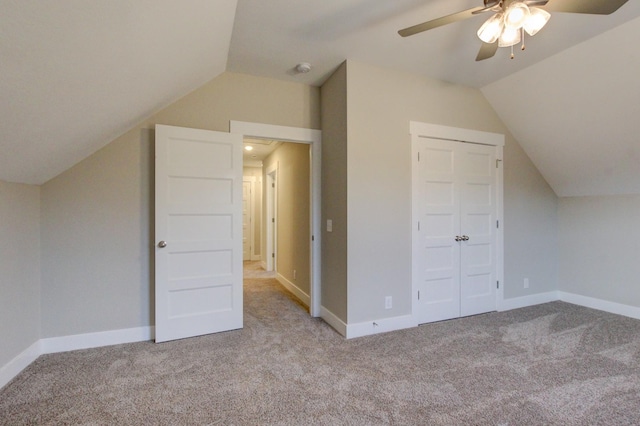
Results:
516 15
537 19
491 29
509 37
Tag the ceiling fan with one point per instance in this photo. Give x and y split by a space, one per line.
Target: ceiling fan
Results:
512 18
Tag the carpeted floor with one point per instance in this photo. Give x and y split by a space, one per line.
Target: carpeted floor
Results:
550 364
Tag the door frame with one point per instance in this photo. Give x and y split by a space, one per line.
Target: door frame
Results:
455 134
272 214
311 137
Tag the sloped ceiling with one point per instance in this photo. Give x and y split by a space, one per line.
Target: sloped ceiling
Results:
574 114
75 74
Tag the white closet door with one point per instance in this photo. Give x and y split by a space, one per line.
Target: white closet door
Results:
478 228
455 244
438 254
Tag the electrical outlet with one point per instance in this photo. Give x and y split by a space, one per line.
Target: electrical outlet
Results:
526 283
329 225
388 302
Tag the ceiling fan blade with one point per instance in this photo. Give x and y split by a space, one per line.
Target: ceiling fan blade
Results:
594 7
487 9
429 25
487 50
536 2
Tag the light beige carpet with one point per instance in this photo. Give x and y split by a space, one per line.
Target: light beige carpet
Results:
553 364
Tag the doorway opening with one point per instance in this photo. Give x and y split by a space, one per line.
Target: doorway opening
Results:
289 230
283 169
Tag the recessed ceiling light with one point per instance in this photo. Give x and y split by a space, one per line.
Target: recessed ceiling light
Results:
248 148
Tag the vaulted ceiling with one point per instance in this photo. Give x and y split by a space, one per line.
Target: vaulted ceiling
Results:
75 74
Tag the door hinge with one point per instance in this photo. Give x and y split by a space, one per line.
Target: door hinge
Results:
418 225
498 162
313 238
497 224
273 220
273 255
497 284
273 185
418 156
418 294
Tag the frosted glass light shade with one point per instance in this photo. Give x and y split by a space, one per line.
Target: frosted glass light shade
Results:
516 15
509 37
537 19
491 29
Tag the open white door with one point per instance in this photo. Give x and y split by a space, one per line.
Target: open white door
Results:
198 193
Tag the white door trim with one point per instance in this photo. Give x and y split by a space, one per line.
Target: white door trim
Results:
271 251
436 131
312 137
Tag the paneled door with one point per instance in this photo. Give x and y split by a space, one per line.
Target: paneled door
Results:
455 203
198 195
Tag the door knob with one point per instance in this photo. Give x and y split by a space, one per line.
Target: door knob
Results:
458 238
465 238
162 244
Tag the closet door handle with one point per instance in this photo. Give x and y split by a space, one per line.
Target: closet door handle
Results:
458 238
162 244
465 238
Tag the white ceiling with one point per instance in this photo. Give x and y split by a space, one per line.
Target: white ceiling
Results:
76 74
261 149
271 37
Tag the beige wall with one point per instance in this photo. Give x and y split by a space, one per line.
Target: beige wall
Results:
380 105
292 161
19 269
334 193
96 240
600 247
98 218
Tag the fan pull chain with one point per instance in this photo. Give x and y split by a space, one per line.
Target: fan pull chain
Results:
512 56
523 46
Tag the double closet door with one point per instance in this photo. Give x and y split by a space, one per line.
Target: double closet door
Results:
455 238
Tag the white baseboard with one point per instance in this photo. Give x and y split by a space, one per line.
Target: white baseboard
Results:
336 323
531 300
72 343
19 363
383 325
601 305
294 289
95 340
